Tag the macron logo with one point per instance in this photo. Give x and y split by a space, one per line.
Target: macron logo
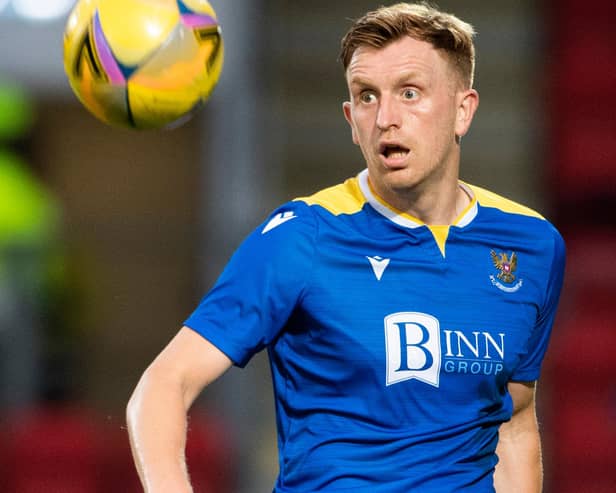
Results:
277 220
379 264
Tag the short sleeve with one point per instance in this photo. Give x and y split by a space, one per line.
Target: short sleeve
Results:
260 286
529 367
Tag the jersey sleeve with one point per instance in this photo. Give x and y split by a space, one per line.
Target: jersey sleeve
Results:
529 367
260 286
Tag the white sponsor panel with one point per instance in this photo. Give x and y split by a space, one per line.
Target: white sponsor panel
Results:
413 348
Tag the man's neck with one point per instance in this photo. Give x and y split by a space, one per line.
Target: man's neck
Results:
434 205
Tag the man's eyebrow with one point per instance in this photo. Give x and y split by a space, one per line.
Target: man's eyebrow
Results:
360 81
410 74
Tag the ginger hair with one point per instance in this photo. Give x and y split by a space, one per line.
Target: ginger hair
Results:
420 21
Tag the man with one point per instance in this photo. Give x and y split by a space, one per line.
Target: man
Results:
405 313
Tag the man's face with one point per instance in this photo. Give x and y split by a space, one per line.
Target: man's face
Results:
406 111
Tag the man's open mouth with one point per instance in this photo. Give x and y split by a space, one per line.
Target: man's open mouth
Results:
393 151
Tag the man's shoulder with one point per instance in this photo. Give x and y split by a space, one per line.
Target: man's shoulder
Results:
302 214
344 198
513 216
487 198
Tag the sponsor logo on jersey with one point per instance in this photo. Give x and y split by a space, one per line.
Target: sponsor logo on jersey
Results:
379 264
417 348
277 220
506 266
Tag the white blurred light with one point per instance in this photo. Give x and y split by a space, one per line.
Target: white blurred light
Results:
3 3
42 9
153 29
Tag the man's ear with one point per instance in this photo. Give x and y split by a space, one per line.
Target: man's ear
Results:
346 109
468 101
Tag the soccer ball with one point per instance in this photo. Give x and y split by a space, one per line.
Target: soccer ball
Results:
143 63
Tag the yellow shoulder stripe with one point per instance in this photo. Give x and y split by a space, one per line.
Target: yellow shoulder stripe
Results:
490 199
345 198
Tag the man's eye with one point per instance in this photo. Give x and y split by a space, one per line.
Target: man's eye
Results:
410 94
367 97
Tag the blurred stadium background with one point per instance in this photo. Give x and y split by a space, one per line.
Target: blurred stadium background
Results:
108 238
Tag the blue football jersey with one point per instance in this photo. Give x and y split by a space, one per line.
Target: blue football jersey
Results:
391 342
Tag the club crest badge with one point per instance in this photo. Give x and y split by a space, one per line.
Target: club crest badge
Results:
506 266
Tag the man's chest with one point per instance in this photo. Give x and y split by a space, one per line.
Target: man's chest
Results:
404 312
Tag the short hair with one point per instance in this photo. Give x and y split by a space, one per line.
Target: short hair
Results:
420 21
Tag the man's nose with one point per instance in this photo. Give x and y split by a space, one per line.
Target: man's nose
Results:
388 114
